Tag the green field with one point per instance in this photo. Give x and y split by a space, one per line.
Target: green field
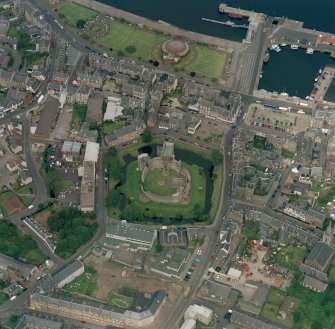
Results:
291 256
159 184
132 190
207 62
72 12
121 301
85 284
12 31
121 36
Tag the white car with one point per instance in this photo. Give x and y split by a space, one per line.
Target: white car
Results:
199 252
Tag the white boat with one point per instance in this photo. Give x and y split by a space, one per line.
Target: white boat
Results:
273 47
278 49
283 44
310 51
230 23
307 97
320 71
316 79
294 47
283 94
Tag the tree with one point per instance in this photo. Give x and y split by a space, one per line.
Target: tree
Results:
192 74
115 168
216 157
80 24
120 53
112 151
132 213
130 49
147 136
113 198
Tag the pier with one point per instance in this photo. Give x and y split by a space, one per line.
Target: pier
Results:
229 23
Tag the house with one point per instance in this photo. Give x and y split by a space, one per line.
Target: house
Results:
169 82
314 284
315 217
247 320
14 164
125 134
24 176
199 313
114 109
94 80
285 307
320 256
134 90
70 150
15 144
121 78
10 264
78 95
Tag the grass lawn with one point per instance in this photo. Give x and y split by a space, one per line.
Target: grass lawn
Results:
121 35
291 256
27 189
73 12
79 114
110 127
159 184
208 63
27 199
3 297
3 96
287 154
197 194
121 301
85 284
272 306
63 185
12 31
4 196
259 142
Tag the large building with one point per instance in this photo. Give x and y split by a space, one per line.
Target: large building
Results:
97 313
320 256
69 273
199 313
130 236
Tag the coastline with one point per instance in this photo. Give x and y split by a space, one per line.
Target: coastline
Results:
229 46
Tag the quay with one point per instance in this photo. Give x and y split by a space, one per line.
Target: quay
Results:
229 23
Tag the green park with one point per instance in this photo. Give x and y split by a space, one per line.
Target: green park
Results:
73 12
125 183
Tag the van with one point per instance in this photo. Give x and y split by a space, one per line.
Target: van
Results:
31 206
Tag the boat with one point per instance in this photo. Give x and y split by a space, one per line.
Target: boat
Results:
278 49
236 16
310 51
320 71
307 97
230 23
283 94
273 47
316 79
266 57
283 44
294 47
